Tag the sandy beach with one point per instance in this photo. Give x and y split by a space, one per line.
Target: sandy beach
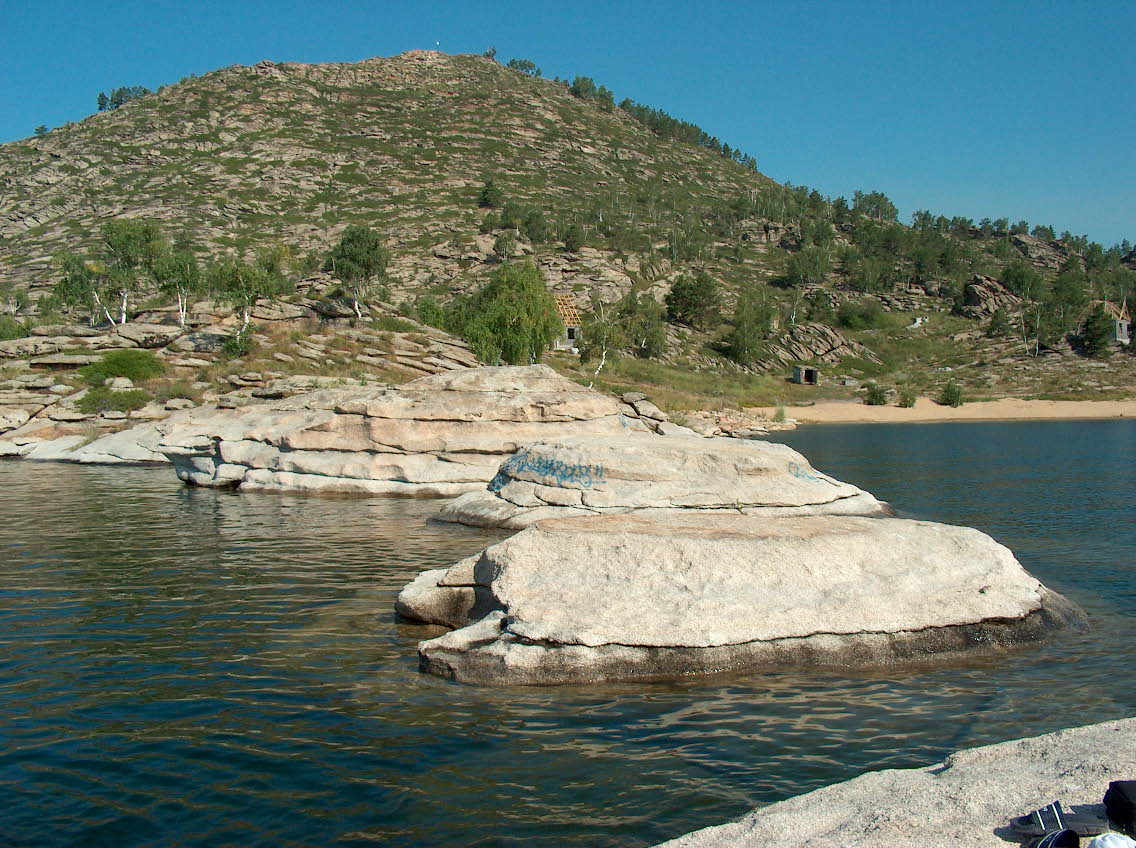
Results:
926 410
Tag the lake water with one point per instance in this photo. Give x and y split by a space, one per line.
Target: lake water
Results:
197 668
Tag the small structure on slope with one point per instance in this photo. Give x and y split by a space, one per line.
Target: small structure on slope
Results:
1121 319
804 375
569 340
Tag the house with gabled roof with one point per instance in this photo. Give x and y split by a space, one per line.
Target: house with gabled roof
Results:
570 339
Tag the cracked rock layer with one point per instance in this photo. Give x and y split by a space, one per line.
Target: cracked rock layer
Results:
437 436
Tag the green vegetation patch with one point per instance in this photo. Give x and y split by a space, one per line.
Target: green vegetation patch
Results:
102 399
135 365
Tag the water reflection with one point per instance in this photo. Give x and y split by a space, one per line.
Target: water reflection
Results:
199 668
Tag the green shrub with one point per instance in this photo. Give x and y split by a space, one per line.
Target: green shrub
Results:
10 328
860 316
176 389
876 395
135 365
430 312
951 395
238 346
907 398
102 399
394 324
999 326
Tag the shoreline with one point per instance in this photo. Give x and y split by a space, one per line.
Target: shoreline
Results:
967 799
927 411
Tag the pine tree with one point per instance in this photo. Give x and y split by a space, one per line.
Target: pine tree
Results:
694 300
1097 333
491 195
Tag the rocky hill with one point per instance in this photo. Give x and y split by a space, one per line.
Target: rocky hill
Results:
292 154
295 152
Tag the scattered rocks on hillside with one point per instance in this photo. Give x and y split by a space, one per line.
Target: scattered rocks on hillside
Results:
437 436
635 473
902 303
653 597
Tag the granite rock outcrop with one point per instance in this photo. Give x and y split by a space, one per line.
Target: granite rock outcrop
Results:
632 473
655 597
968 799
438 436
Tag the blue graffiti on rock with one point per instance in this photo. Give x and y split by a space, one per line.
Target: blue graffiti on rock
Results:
563 473
802 473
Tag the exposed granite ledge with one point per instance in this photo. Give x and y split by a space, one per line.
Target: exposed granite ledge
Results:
966 800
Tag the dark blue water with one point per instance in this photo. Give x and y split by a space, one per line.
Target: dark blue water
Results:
195 668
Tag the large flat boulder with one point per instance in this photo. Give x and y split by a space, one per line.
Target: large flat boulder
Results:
438 436
148 335
34 346
637 473
642 596
966 800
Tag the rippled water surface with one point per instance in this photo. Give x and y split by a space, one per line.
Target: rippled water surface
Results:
189 667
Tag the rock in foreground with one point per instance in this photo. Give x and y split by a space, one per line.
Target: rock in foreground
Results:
626 472
967 800
437 436
633 596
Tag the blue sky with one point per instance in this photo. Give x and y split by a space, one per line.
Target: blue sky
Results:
1016 109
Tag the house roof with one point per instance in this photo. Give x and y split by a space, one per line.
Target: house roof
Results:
1118 313
568 312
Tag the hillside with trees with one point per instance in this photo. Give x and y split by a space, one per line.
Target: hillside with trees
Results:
467 194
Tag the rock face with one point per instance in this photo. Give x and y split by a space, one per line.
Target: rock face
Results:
968 799
811 341
624 473
1048 255
437 436
650 597
984 296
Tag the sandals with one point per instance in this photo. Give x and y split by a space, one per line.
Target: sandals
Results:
1055 826
1057 839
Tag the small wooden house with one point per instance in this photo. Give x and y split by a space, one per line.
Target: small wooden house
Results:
1121 319
570 339
804 375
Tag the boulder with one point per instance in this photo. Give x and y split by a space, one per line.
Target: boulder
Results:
983 296
200 342
630 472
438 436
67 330
968 799
136 446
149 335
62 361
48 450
655 597
278 310
12 418
34 346
812 341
